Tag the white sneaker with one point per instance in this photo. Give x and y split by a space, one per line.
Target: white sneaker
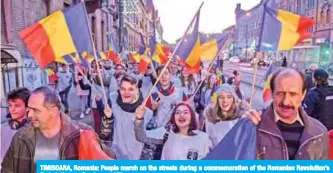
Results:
82 115
87 111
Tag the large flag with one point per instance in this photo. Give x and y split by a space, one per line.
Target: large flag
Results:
267 92
282 30
239 143
210 49
189 50
63 32
142 46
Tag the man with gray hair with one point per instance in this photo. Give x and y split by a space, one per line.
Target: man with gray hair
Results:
51 135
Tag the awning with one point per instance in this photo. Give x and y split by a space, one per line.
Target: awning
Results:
10 56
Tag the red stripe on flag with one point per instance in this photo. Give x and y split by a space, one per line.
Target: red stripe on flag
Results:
143 66
303 25
163 59
113 57
267 95
53 77
38 44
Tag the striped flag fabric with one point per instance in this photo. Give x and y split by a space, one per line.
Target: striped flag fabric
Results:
267 92
210 49
61 33
143 65
189 50
112 53
282 30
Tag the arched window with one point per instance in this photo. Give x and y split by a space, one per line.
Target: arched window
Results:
328 16
322 17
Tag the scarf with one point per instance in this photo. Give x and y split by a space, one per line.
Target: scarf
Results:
166 92
15 125
129 107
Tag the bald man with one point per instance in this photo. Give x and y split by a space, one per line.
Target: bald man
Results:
285 131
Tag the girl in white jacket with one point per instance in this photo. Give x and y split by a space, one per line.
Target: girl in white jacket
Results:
222 115
182 140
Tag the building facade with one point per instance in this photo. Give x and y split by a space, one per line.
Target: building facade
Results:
229 46
247 29
19 14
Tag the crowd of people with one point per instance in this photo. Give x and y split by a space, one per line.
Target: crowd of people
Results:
181 120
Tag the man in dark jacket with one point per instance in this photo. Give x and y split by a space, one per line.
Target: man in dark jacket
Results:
319 100
309 73
51 135
285 131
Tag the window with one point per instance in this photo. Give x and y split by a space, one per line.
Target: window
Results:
311 3
322 17
298 7
103 36
328 16
93 26
66 5
311 29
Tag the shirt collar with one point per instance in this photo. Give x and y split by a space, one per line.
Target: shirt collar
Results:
298 118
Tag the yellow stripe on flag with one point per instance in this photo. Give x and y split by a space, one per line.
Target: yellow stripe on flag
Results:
49 72
209 50
289 25
59 36
194 57
103 56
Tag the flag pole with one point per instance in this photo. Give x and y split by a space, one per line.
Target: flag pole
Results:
95 56
255 55
173 54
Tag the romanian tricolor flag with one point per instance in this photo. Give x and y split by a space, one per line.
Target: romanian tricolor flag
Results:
282 30
87 57
210 49
189 50
101 55
144 63
52 76
267 92
160 55
63 32
134 57
112 53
